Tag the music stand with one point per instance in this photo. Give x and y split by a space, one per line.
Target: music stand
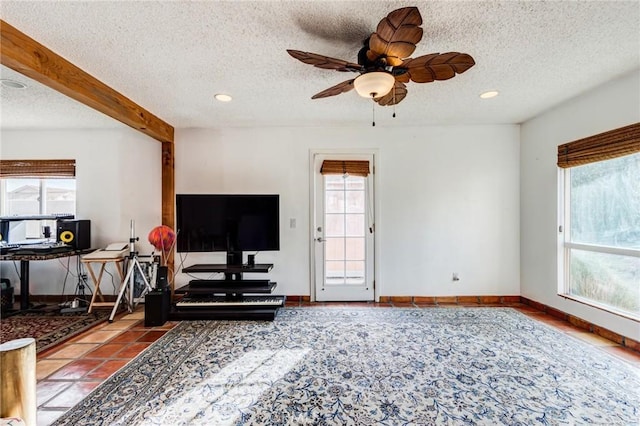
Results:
129 281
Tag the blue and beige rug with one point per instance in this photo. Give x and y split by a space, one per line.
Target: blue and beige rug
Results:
376 366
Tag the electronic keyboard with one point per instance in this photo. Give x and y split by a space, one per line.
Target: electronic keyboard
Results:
222 301
39 249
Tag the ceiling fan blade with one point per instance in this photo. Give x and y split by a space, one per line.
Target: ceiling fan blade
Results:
396 36
436 66
324 62
393 98
343 87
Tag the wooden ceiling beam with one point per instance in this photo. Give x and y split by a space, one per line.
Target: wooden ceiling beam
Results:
26 56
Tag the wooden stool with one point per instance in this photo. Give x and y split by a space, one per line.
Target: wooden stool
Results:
18 384
119 262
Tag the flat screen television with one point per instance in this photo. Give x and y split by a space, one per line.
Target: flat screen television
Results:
228 222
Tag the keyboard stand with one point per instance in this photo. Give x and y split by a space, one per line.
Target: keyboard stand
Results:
234 288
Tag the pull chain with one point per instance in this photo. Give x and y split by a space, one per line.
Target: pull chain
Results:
373 112
394 101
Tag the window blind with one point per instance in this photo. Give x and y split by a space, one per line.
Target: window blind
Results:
37 168
339 167
604 146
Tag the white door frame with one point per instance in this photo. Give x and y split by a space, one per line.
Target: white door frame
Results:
376 208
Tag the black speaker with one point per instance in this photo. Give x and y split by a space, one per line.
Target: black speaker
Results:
76 233
162 278
156 307
4 231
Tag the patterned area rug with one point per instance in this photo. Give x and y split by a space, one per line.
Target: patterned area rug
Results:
377 366
47 327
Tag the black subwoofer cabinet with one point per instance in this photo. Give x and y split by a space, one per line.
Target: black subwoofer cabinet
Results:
6 295
156 307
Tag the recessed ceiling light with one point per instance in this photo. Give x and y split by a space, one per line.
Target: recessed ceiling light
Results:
223 98
489 94
13 84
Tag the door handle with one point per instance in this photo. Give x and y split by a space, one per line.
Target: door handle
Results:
320 240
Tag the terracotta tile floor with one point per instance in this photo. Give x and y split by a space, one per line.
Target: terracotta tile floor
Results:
69 372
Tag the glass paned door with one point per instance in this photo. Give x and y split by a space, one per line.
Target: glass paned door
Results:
343 238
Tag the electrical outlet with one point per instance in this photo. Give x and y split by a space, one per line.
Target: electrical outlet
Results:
455 277
292 222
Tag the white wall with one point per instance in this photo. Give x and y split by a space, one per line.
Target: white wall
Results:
447 200
118 178
613 105
447 197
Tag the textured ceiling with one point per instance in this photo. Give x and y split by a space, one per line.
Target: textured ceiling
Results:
172 57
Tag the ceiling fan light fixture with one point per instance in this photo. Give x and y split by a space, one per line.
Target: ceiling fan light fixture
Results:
374 84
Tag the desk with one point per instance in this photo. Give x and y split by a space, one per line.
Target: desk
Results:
24 268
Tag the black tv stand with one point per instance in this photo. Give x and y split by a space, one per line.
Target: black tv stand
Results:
231 272
230 298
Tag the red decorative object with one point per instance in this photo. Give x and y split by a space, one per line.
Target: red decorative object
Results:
163 239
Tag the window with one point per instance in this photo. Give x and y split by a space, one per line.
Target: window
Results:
22 197
36 187
345 221
601 238
345 229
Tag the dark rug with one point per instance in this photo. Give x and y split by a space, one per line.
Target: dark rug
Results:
376 366
49 328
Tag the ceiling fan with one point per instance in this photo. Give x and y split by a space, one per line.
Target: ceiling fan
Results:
384 64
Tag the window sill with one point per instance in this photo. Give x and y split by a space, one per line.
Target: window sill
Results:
602 307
